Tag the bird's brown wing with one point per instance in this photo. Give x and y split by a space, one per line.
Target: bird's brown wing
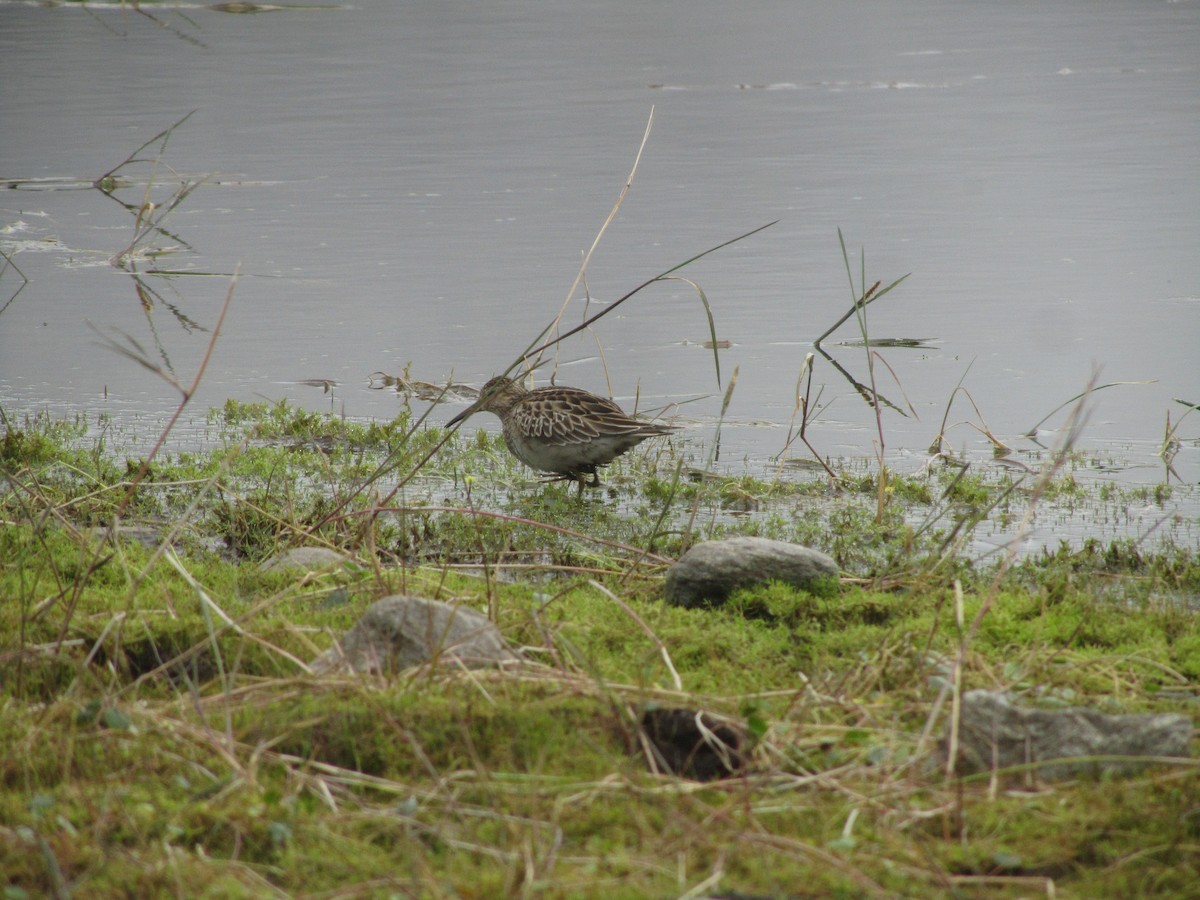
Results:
565 416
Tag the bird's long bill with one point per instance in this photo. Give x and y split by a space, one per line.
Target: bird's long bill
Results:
462 416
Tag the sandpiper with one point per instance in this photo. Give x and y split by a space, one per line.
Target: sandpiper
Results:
562 430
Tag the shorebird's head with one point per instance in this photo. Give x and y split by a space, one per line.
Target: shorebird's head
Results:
497 396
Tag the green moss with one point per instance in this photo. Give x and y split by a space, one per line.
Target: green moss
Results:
161 729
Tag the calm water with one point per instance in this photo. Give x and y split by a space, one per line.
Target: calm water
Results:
414 184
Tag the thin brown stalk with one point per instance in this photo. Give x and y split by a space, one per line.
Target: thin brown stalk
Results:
533 351
801 408
186 392
581 275
646 629
1074 425
1032 432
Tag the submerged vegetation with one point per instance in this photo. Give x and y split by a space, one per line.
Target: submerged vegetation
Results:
165 734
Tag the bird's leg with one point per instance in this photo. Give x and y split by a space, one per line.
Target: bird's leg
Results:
579 479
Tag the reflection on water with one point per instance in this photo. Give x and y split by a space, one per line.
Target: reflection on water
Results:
409 191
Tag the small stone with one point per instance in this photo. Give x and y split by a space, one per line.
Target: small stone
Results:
996 733
400 632
145 535
307 558
708 573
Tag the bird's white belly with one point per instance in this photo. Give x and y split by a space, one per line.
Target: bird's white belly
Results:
548 457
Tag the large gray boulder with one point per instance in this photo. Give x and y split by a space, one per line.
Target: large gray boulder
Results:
708 573
996 733
400 632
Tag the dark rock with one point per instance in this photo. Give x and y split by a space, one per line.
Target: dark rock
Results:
399 632
683 747
708 573
995 733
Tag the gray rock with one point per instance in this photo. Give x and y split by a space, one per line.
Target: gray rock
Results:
399 632
307 558
997 733
146 535
709 572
